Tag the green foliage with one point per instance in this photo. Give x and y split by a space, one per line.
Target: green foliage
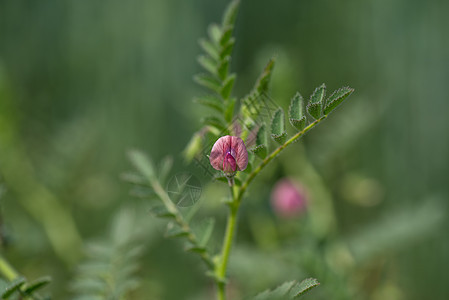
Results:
262 82
261 148
278 132
178 226
211 102
214 122
318 94
226 88
110 269
209 82
20 288
142 163
217 79
216 60
336 98
315 105
251 104
30 287
12 287
296 114
288 290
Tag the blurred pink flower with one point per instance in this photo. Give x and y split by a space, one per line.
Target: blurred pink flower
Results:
288 199
229 155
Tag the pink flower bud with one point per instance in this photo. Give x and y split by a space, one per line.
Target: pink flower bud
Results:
287 199
229 155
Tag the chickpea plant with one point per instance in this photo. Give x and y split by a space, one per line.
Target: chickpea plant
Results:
231 130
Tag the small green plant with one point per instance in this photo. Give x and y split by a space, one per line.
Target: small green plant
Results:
231 125
15 286
110 270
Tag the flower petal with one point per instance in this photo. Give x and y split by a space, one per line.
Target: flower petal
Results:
229 164
229 145
241 154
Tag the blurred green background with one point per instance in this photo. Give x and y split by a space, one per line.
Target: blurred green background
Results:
81 82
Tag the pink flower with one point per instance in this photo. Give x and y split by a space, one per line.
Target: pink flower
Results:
229 155
287 199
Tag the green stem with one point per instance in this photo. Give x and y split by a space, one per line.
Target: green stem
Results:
227 244
270 157
7 270
180 220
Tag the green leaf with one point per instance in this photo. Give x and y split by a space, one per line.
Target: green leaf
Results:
262 82
229 112
211 102
315 105
261 137
223 68
208 64
161 211
314 109
165 167
336 98
142 192
279 293
226 49
250 108
214 31
142 163
209 48
303 287
296 113
13 287
208 81
230 14
174 231
215 122
261 148
88 285
226 36
288 290
133 178
35 285
295 110
281 138
3 285
299 124
194 248
228 84
318 94
278 132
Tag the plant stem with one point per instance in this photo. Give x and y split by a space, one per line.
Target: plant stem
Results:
234 205
227 244
7 270
180 220
273 154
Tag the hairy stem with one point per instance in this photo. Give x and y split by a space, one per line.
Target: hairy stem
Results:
227 244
